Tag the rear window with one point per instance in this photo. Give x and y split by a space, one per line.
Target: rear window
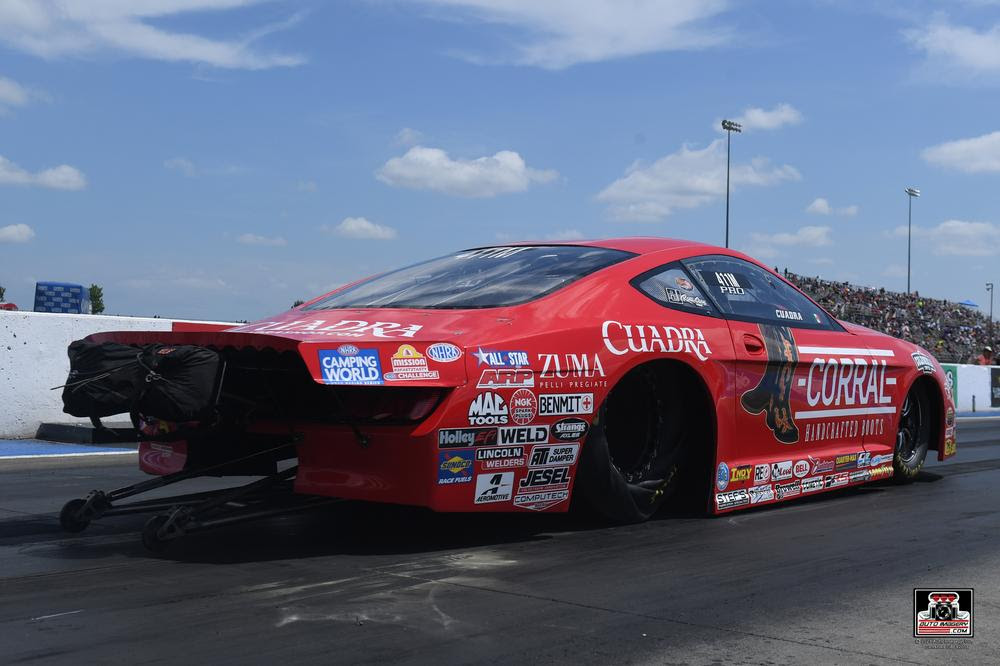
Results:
486 277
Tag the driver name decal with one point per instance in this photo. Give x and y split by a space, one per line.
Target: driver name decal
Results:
620 339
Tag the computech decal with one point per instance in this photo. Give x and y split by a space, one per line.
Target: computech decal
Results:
542 488
558 454
444 352
465 437
540 501
348 365
494 488
570 429
408 365
772 393
501 358
620 339
523 406
565 404
455 466
348 328
506 378
488 408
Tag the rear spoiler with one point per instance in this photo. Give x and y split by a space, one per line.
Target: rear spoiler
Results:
339 362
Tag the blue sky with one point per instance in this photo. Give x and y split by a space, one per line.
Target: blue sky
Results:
221 158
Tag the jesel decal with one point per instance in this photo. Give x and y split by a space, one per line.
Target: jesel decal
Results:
771 395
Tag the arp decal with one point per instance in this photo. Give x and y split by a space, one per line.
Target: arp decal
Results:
772 393
494 378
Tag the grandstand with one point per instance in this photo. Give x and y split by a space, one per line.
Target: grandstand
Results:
953 333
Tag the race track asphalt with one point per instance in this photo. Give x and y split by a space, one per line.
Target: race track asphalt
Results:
825 580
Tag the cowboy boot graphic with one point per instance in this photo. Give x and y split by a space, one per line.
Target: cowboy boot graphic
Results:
771 395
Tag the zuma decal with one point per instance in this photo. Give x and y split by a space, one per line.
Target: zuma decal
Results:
772 393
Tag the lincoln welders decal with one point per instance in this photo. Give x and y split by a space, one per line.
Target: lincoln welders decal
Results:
771 395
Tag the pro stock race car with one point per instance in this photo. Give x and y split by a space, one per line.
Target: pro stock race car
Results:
623 373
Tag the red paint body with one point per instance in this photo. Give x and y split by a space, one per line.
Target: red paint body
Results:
836 415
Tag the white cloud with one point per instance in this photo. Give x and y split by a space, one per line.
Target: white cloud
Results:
565 235
958 238
686 179
432 169
181 165
254 239
13 94
807 236
409 137
359 227
821 206
559 33
756 118
55 28
16 233
978 154
958 48
62 177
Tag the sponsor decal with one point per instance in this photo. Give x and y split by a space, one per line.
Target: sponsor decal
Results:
620 339
564 366
560 404
454 466
835 480
788 314
800 469
820 465
950 381
681 298
762 473
864 458
570 429
844 429
465 437
493 488
545 478
727 283
524 435
846 461
501 359
488 408
540 501
722 476
881 459
880 472
348 328
355 367
760 494
944 613
780 471
771 395
923 362
408 364
740 474
791 489
493 378
949 417
498 452
847 382
732 498
812 484
523 406
559 454
684 283
859 476
949 447
443 352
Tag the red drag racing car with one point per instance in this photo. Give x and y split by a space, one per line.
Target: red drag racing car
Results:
619 372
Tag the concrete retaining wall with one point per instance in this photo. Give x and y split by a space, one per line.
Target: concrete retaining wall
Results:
33 360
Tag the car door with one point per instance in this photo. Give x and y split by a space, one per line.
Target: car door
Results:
805 386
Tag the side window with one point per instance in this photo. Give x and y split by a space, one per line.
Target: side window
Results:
671 286
745 291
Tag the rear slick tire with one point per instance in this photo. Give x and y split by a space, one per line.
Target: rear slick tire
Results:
913 436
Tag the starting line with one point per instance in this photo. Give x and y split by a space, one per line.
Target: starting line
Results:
13 449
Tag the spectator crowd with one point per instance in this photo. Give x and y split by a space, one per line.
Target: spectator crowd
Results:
953 333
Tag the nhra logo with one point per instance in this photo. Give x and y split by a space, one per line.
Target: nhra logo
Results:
464 437
559 404
488 409
944 613
523 407
444 352
506 378
561 454
540 501
569 430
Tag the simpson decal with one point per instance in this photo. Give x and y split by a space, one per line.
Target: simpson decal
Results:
349 365
772 393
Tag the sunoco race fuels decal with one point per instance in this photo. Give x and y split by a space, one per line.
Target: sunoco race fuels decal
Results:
349 365
454 466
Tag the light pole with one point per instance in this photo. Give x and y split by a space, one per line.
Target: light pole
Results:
989 327
729 126
911 193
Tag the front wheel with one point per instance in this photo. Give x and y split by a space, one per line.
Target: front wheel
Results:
913 437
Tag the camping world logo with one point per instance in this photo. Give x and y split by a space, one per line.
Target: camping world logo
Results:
942 612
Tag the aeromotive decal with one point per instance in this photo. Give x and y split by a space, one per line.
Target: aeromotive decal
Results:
771 395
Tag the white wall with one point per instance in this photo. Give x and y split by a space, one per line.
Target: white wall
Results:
33 360
974 380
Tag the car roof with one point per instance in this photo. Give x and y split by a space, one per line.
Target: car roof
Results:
636 244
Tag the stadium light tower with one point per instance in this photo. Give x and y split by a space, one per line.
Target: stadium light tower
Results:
729 126
911 193
989 328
